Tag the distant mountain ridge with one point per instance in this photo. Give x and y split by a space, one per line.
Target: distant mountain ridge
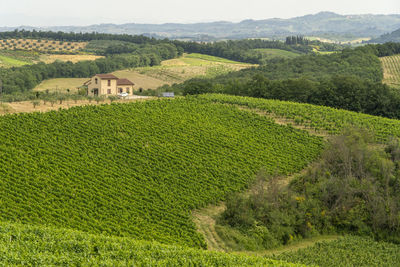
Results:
388 37
321 23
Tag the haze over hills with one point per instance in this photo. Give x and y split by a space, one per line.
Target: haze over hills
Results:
320 24
388 37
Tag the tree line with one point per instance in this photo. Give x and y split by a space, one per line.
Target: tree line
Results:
79 37
28 77
350 79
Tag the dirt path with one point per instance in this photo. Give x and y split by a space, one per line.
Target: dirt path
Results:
205 219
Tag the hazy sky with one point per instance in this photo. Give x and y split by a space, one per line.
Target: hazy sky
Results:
84 12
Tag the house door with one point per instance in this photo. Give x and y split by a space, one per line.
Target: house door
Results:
96 92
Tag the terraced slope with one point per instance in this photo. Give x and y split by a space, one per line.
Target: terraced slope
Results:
317 118
391 70
138 169
46 246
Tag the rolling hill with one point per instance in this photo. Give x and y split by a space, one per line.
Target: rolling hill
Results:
319 24
89 184
388 37
138 169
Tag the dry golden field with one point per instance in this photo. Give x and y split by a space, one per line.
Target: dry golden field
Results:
48 58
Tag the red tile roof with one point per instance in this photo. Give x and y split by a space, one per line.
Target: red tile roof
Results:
124 82
107 76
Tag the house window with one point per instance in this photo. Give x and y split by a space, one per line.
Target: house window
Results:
109 91
120 90
127 90
95 81
109 82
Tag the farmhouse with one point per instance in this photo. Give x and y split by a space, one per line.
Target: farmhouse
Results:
108 84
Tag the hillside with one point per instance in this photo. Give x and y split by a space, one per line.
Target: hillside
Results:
321 24
170 71
347 251
102 169
315 118
391 70
388 37
49 246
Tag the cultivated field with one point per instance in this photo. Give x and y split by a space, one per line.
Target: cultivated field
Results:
138 169
17 58
49 58
8 62
321 119
181 69
41 45
29 245
391 70
171 71
274 53
48 105
346 251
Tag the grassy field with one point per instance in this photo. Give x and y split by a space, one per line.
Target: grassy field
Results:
391 70
171 71
17 58
61 85
274 53
8 62
9 58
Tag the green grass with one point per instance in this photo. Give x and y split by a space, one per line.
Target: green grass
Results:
195 59
138 169
28 245
17 58
274 53
347 251
8 62
317 118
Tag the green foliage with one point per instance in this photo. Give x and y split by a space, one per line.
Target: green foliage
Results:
347 251
241 50
354 188
138 169
47 246
350 79
319 118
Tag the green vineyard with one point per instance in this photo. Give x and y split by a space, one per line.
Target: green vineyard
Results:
347 251
138 169
391 70
25 245
318 118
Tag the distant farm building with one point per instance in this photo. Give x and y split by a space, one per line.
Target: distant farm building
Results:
108 84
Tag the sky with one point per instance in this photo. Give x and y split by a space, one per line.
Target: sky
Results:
86 12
